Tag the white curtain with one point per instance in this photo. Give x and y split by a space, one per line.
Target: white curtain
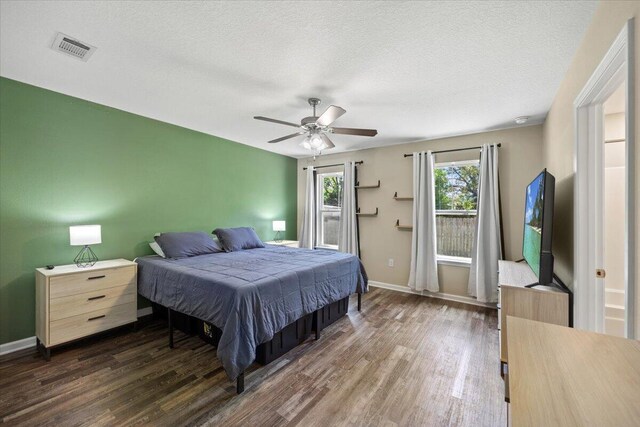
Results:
423 274
348 237
308 224
487 247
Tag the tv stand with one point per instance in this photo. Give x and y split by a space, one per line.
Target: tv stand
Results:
556 283
521 295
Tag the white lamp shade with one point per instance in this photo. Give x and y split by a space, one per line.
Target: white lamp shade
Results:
81 235
316 141
279 226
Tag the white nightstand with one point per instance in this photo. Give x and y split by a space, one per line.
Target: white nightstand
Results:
288 243
74 302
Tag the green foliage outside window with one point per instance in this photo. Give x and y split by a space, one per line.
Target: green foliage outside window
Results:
457 187
332 191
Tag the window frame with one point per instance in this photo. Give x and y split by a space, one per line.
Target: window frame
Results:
319 224
449 259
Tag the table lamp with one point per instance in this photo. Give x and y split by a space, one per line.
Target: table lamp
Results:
85 235
279 226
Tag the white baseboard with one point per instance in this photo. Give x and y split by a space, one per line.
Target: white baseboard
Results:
440 295
12 346
18 345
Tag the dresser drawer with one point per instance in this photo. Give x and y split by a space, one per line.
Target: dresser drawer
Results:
73 305
89 323
91 281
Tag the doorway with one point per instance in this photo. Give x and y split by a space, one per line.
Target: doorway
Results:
604 210
613 187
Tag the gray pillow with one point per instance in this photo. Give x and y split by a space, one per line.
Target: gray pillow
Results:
182 245
237 239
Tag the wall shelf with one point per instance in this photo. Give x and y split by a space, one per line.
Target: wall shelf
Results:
367 213
360 187
395 197
403 226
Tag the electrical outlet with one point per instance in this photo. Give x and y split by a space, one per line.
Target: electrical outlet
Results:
390 262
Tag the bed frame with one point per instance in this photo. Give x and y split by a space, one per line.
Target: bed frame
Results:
282 342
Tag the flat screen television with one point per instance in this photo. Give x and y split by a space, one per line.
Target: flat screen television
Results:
538 227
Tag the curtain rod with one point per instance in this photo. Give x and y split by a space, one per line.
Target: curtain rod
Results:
452 150
359 162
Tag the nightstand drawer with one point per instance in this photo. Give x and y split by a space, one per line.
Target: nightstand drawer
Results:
91 281
73 305
89 323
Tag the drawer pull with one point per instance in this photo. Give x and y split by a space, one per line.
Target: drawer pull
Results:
95 318
95 298
96 277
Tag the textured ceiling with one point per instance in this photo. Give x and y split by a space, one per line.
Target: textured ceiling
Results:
413 70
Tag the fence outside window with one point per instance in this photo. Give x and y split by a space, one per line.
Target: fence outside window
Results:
455 232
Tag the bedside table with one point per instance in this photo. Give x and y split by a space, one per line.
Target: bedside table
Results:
74 302
289 243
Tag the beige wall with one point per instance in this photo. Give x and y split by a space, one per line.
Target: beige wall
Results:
520 161
558 130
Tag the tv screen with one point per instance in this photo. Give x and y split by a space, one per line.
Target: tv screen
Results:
533 223
538 217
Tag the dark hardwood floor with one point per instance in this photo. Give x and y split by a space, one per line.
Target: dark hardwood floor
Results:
404 360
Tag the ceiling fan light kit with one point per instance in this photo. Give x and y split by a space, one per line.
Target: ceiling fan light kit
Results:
315 128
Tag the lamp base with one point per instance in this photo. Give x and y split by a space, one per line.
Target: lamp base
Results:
278 238
85 258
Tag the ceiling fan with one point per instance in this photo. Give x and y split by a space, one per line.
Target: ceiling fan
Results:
316 128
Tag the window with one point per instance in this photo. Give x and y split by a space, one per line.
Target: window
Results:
329 204
456 203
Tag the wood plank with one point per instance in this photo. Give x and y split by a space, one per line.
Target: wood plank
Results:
544 306
403 360
563 376
542 303
42 308
60 270
70 328
91 281
74 305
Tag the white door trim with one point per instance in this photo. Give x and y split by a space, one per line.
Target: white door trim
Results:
616 66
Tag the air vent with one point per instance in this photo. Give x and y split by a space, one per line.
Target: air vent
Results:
73 47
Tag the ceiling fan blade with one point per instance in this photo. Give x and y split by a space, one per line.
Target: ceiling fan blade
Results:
327 142
284 137
352 131
267 119
330 115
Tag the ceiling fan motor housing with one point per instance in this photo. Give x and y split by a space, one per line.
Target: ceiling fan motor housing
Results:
309 121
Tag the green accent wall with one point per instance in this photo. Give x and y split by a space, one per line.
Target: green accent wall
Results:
65 161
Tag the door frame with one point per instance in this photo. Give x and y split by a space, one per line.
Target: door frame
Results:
616 66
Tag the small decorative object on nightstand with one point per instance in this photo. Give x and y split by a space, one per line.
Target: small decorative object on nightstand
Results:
279 226
73 302
85 235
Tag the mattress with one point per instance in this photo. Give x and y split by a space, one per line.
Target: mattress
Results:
252 294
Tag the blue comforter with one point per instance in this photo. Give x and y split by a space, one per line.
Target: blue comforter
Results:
252 294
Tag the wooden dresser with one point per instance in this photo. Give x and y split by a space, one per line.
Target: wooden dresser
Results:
542 303
73 302
562 376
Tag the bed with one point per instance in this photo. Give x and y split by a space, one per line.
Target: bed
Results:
250 295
